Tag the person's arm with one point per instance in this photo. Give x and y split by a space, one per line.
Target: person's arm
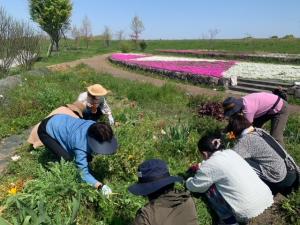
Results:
200 182
105 109
82 164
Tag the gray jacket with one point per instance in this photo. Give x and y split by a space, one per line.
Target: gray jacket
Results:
253 146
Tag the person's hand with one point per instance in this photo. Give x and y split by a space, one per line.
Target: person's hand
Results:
194 168
106 191
111 120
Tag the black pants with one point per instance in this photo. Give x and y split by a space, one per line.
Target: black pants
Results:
50 143
283 187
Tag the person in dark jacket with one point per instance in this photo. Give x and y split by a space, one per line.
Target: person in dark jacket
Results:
69 137
258 108
166 206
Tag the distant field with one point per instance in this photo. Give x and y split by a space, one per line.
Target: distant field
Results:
291 46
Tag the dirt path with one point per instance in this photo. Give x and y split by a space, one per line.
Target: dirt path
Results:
101 64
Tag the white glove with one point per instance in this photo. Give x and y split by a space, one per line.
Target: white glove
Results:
111 120
106 191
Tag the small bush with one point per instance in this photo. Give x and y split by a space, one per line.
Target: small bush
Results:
274 37
125 47
288 36
143 45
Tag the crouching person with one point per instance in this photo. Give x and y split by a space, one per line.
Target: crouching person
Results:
233 189
166 206
69 137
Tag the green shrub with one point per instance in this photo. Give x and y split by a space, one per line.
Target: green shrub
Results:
125 47
143 45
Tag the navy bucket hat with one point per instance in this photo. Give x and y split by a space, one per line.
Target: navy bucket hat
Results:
232 106
153 175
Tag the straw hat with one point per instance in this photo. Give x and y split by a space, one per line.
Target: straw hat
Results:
97 90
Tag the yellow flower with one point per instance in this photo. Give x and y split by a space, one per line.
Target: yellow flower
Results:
130 157
13 191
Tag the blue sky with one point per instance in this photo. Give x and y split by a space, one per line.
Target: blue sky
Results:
179 19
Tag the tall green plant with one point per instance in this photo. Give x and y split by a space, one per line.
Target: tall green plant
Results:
53 16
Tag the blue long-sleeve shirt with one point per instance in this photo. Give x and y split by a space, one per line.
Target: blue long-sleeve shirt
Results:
71 133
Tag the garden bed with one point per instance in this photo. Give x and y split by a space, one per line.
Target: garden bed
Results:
207 71
195 71
257 56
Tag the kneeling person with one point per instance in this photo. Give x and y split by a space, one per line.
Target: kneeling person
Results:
166 206
70 137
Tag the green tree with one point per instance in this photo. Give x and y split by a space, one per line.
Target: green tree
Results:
53 16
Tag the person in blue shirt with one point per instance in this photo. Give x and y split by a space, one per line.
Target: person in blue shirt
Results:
70 137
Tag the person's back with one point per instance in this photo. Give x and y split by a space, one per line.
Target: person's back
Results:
172 208
236 181
252 146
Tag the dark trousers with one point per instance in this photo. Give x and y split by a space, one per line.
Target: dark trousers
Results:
283 187
278 122
51 144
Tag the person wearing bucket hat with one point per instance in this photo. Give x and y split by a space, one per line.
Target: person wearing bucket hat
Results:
96 104
258 108
70 137
231 187
166 205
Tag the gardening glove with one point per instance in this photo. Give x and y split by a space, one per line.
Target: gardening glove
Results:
111 120
106 191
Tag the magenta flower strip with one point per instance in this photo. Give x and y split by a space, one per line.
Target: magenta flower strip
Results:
198 68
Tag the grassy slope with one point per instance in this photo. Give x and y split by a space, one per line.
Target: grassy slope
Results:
142 111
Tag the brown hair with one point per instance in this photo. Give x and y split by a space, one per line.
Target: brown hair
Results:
237 124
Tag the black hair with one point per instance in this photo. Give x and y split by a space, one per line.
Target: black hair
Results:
161 191
211 142
100 131
237 124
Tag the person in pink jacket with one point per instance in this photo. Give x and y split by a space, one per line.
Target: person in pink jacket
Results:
258 108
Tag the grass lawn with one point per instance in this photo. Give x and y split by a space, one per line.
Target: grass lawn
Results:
153 122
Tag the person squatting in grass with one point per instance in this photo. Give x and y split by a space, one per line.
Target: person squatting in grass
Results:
75 110
261 151
166 206
70 137
258 108
231 187
95 103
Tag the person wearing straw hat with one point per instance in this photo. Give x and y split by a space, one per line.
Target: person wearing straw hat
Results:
258 108
68 137
166 205
95 103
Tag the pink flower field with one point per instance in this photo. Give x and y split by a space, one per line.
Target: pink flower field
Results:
215 68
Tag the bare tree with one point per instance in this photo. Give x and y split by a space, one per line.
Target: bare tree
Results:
120 35
213 33
8 39
28 45
137 28
75 32
19 43
86 30
107 36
